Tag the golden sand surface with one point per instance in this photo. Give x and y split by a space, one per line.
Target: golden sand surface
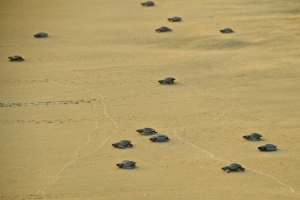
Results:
93 82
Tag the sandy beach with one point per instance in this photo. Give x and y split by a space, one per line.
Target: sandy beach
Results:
94 81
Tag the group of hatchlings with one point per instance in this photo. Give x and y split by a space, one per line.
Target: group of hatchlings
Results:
127 164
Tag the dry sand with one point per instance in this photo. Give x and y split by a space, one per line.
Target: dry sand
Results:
107 54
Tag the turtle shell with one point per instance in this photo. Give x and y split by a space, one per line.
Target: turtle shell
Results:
124 142
15 58
253 136
163 29
40 35
268 147
168 80
146 131
226 30
234 166
127 164
159 138
148 3
174 19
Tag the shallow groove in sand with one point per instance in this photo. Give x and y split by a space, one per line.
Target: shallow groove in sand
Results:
92 92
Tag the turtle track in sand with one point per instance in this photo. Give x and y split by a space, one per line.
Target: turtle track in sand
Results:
46 103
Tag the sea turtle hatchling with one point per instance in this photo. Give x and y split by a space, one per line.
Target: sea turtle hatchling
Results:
253 136
267 147
15 58
148 3
163 29
159 138
146 131
174 19
233 167
122 144
126 164
167 80
41 35
226 30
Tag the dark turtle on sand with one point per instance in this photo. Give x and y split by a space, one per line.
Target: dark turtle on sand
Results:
233 167
146 131
126 164
40 35
253 136
267 147
122 144
168 80
148 3
15 58
163 29
226 30
174 19
159 138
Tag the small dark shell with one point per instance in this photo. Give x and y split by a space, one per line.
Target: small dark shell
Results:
267 147
163 29
126 164
159 138
148 3
233 167
123 144
253 136
174 19
40 35
226 30
15 58
146 131
168 80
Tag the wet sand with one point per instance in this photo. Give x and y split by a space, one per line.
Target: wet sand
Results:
107 57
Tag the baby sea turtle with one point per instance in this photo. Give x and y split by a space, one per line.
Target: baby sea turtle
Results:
146 131
148 3
15 58
163 29
126 164
40 35
168 80
122 144
159 138
253 136
233 167
174 19
226 30
267 147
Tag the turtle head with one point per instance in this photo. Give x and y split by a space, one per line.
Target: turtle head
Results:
139 130
152 139
246 136
262 148
225 168
120 165
161 81
115 144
